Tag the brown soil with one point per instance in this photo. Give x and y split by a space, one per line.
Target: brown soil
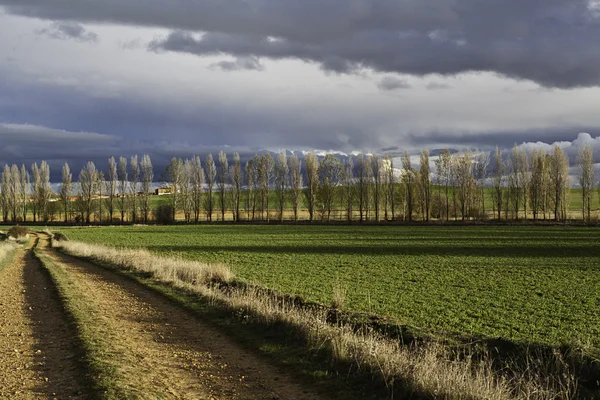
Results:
38 358
169 352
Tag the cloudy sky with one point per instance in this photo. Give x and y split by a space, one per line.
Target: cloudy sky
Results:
88 79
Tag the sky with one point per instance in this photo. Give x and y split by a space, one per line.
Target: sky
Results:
89 79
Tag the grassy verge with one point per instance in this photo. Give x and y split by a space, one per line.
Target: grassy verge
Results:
305 339
95 338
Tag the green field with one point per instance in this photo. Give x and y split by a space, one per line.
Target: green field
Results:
527 284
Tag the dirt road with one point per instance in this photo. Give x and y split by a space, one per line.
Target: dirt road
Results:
38 357
165 351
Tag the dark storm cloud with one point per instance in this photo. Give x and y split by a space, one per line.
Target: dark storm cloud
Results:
69 30
503 139
240 64
390 83
552 42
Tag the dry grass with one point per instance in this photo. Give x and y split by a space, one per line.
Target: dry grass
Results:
431 370
6 249
164 269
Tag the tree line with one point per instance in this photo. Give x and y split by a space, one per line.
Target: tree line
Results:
466 186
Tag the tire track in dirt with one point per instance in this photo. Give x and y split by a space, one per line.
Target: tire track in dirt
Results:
38 357
170 352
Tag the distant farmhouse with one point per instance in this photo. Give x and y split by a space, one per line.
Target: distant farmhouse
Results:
164 190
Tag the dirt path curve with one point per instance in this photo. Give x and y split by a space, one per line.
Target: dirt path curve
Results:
38 358
171 352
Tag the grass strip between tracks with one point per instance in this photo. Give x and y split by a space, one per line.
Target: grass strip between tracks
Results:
95 336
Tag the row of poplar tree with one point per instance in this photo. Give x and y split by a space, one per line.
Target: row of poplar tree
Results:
466 185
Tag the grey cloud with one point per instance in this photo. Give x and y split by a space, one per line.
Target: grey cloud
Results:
69 30
437 86
552 42
389 83
240 64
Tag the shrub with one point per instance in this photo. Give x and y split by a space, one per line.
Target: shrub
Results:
59 237
163 214
18 232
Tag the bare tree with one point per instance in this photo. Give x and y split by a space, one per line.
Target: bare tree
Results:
187 191
362 183
265 176
559 179
101 186
425 184
331 172
210 175
312 180
134 183
465 182
45 190
88 182
223 175
174 177
376 185
147 179
25 186
446 172
368 168
35 174
198 186
498 174
295 183
481 164
236 183
586 180
408 176
65 189
281 182
122 203
5 192
251 186
349 187
536 186
391 181
112 183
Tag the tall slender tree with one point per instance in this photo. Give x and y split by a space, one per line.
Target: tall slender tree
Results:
376 185
425 184
147 179
35 203
586 180
174 178
198 186
559 179
331 172
236 185
446 172
312 180
112 184
25 189
223 177
66 190
281 182
251 187
391 181
5 192
88 183
134 185
498 174
349 187
122 203
210 173
295 183
408 176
